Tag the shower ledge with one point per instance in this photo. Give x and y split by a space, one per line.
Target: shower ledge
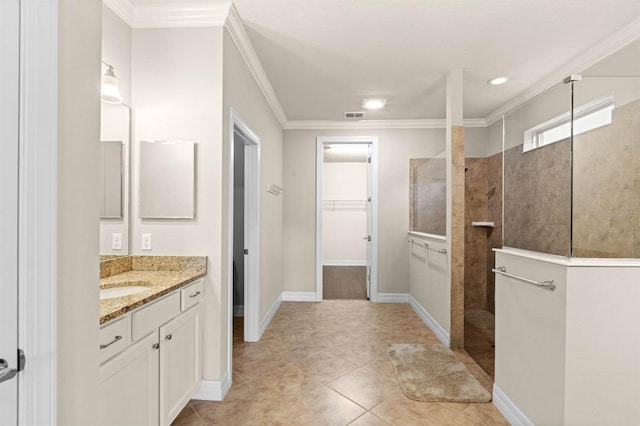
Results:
484 224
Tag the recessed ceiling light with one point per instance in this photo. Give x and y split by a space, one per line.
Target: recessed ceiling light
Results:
498 80
372 103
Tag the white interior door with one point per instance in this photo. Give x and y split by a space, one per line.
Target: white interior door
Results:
9 106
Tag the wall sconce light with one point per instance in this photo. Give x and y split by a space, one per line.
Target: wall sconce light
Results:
110 92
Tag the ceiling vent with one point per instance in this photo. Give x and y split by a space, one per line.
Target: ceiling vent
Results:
357 114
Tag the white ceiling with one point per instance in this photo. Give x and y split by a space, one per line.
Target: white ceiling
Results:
323 56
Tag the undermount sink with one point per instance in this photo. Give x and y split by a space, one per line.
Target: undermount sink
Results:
113 290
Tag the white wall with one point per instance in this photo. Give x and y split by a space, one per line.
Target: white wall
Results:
396 147
114 126
177 94
344 226
116 50
494 140
77 296
476 142
530 338
569 356
242 93
429 283
603 346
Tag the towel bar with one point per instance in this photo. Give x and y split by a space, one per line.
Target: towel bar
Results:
548 285
426 246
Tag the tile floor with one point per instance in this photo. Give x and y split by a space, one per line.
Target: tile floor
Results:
326 364
479 338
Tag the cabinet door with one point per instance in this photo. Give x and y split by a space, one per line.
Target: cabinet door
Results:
180 362
129 385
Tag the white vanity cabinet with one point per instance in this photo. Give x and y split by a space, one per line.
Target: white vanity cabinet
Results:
180 362
129 385
152 379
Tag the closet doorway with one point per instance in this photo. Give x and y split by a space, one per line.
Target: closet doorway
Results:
346 218
243 233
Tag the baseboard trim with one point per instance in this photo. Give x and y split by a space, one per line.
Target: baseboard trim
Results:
392 298
344 263
212 390
298 296
424 315
509 409
238 310
272 311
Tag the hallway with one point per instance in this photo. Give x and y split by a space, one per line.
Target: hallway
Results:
326 364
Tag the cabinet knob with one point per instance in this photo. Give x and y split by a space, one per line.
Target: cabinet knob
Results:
168 337
156 346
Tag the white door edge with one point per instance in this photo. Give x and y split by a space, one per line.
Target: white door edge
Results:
38 211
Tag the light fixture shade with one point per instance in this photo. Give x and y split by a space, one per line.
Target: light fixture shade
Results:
110 90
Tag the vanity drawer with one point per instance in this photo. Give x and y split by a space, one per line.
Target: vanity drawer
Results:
154 315
191 295
114 337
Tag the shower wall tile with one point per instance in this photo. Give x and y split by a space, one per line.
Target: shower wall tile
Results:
475 277
606 192
537 200
456 332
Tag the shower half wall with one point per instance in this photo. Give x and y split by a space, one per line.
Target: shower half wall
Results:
568 277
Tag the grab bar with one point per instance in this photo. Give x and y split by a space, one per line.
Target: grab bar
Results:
426 246
549 285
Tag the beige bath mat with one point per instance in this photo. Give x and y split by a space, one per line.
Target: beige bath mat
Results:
433 373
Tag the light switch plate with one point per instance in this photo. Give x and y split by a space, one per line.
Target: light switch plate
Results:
146 241
116 241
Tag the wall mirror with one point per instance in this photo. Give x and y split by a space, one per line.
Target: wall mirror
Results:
111 179
167 180
115 135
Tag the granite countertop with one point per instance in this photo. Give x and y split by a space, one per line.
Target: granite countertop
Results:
163 274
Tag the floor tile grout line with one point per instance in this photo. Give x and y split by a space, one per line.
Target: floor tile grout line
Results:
378 331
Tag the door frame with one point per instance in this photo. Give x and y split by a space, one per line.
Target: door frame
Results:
37 271
252 233
320 142
9 217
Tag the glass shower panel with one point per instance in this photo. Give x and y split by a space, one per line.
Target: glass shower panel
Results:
537 174
428 181
606 180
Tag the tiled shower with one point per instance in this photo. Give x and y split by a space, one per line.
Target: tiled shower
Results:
483 207
567 183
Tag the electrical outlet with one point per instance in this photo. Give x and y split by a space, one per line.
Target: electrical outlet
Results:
146 241
116 241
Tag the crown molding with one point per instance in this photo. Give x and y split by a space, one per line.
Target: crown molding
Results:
171 14
475 122
606 47
238 34
198 13
181 14
123 8
377 124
